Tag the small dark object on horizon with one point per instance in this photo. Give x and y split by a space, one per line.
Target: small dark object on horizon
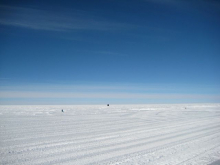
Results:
62 110
107 104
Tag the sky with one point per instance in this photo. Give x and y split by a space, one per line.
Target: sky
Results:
109 51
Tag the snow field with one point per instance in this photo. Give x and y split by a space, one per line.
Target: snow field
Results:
118 134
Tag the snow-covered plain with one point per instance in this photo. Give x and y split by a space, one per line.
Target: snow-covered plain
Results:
118 134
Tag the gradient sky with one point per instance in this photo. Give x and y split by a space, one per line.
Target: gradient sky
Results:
109 51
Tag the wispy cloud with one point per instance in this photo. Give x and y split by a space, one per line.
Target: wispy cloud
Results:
105 53
192 5
114 95
166 2
112 87
39 19
125 93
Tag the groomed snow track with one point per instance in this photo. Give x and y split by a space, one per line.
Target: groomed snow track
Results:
119 134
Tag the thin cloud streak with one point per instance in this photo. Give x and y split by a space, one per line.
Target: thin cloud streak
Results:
174 3
84 87
108 88
115 95
88 88
43 20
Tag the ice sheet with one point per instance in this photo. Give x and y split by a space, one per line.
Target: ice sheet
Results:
115 134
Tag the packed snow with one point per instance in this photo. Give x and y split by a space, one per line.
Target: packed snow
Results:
114 134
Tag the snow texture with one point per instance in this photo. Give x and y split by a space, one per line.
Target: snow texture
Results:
115 134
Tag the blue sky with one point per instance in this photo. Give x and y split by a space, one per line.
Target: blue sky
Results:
117 52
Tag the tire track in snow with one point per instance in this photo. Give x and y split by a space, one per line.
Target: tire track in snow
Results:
54 134
122 137
99 141
85 140
69 156
118 159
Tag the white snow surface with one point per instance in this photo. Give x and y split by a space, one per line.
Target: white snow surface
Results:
174 134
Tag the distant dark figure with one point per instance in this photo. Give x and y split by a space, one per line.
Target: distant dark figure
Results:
107 104
62 110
